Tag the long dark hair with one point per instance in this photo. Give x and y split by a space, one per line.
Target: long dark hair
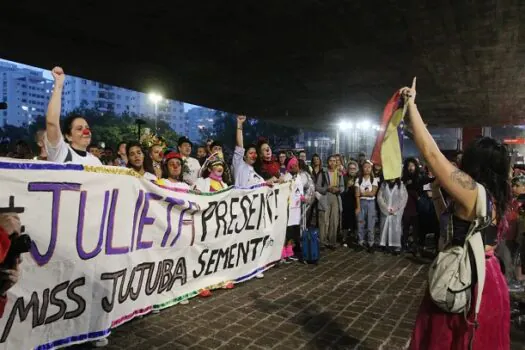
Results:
406 175
165 170
487 161
304 167
397 182
362 173
147 164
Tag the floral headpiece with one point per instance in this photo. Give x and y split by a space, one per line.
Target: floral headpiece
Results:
148 140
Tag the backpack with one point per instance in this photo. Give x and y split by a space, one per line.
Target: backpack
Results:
451 275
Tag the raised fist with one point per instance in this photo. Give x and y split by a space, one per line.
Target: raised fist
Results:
58 75
241 118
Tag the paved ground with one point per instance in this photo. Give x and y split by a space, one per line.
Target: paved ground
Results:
349 301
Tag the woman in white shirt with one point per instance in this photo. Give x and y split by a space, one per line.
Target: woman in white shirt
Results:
244 159
139 161
76 131
172 172
365 192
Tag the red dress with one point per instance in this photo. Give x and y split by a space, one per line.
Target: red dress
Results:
438 330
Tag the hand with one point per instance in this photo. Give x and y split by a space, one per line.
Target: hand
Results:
357 211
195 191
409 94
10 222
58 75
303 199
241 119
8 278
280 180
270 182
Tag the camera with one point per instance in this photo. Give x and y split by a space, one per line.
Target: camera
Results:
19 244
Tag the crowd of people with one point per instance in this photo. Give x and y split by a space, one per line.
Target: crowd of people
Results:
348 200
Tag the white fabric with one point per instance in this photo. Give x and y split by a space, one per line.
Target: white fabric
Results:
167 252
149 176
58 154
308 186
391 229
204 184
193 167
174 185
245 175
294 217
366 184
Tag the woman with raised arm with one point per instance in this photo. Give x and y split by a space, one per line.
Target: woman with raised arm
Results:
485 162
244 159
76 130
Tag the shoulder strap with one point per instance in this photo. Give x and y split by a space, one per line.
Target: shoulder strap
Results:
476 243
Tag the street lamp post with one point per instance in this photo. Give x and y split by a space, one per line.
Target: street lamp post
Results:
155 98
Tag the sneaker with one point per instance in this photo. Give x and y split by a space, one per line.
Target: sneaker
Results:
293 258
205 293
260 275
155 311
371 249
345 245
229 285
100 343
184 302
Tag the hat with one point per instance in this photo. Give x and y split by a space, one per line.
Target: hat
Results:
212 160
292 162
216 143
173 155
184 139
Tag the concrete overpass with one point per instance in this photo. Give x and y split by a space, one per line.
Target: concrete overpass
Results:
303 63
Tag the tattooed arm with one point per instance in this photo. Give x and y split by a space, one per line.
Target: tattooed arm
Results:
458 184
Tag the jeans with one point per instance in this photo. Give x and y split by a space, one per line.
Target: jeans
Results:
367 221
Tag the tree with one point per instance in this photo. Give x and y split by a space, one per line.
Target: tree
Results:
107 127
225 127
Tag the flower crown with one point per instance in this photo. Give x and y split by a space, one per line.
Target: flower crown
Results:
149 140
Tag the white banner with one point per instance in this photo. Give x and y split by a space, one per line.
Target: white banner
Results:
108 246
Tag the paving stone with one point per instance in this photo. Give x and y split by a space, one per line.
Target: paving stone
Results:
365 304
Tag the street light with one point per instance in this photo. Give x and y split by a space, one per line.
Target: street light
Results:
344 125
155 98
